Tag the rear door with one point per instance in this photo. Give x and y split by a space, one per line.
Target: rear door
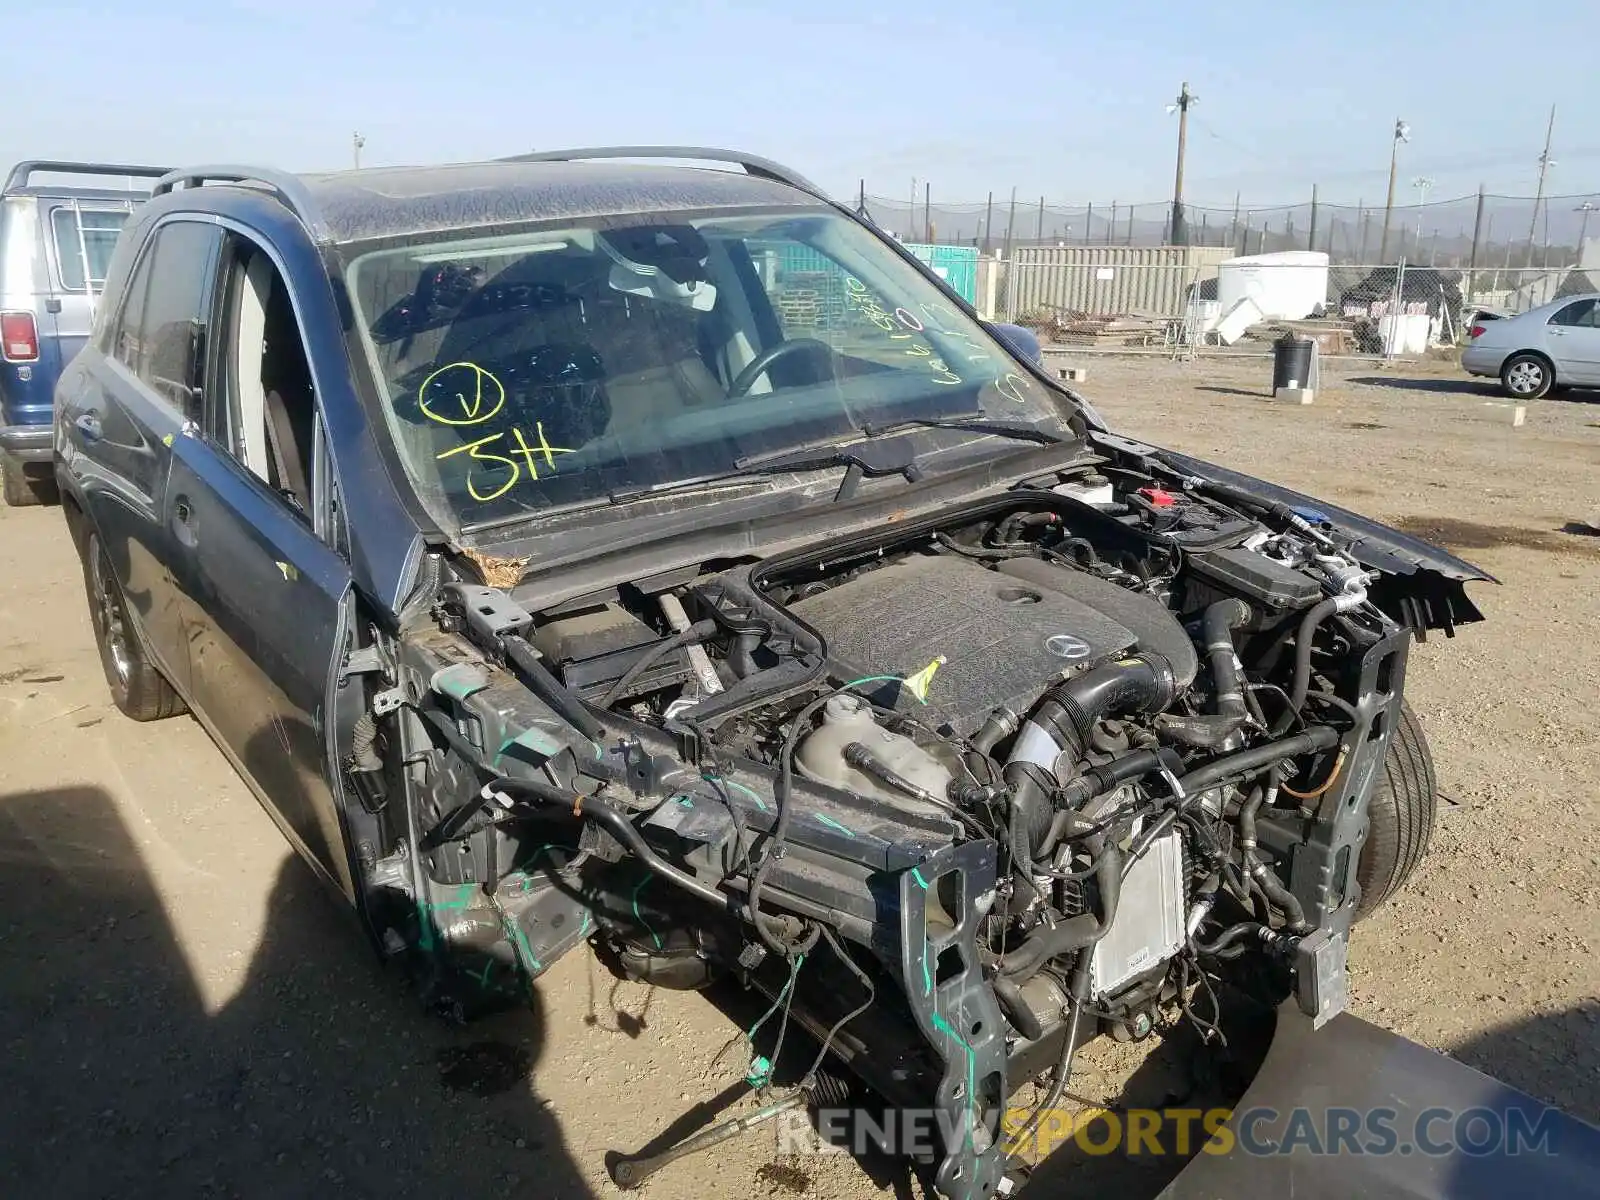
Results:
79 238
1573 335
263 590
128 411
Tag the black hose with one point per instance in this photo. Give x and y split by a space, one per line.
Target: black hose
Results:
1254 759
1303 638
1065 718
1075 933
1151 832
1097 781
1220 620
1229 936
1281 897
1015 1008
1211 731
550 689
698 632
1058 1085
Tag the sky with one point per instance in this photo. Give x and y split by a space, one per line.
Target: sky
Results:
1063 100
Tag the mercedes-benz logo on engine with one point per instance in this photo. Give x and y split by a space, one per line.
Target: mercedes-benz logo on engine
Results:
1064 645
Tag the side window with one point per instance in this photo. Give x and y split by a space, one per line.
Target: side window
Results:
84 239
161 334
264 413
1581 313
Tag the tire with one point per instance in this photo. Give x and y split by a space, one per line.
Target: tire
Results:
1527 376
1400 816
137 687
19 490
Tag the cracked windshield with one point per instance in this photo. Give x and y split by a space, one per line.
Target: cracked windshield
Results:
591 364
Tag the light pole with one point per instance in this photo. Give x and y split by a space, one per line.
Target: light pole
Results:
1423 185
1585 208
1402 133
356 142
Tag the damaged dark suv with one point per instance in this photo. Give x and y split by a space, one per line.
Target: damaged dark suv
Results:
566 549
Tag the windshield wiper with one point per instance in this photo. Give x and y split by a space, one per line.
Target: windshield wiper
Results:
896 456
977 422
875 453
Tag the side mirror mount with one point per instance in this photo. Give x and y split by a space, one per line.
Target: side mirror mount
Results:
1019 339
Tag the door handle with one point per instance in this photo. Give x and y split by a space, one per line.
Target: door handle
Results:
183 522
89 425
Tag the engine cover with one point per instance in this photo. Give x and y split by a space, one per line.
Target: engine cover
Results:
1004 639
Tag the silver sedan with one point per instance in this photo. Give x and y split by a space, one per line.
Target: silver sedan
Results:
1554 345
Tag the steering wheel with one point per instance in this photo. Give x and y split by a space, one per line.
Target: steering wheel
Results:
760 363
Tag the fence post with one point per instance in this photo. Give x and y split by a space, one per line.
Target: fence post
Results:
988 223
1233 230
927 212
1311 234
1111 225
1088 224
1011 223
1130 224
1366 219
1040 236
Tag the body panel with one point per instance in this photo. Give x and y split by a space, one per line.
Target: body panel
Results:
260 598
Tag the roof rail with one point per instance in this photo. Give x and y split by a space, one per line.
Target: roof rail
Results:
763 168
289 190
24 171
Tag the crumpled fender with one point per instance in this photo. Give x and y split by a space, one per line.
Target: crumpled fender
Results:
1353 1064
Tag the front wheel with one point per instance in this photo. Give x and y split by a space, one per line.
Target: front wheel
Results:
1527 376
1400 815
137 687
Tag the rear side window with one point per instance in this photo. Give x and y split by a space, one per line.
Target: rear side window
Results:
84 241
161 333
1582 313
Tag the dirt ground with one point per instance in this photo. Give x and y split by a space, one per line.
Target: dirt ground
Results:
183 1012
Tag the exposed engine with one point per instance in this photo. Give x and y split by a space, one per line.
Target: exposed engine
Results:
958 791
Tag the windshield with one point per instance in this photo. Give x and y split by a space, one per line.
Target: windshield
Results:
575 365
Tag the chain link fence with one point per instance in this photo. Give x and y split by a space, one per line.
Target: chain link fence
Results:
1480 231
1196 299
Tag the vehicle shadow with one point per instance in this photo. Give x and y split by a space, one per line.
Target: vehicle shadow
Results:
1095 1151
138 1066
1554 1057
1412 383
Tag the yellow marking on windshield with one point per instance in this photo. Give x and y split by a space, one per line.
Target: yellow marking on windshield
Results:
460 393
529 453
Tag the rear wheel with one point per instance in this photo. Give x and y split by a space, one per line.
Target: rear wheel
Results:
1400 815
1527 376
137 687
19 489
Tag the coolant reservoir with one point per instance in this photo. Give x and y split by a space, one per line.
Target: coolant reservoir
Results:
847 719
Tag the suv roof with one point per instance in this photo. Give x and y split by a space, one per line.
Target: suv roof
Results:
355 206
20 181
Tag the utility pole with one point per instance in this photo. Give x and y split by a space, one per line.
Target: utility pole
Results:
927 211
1544 167
1477 240
1011 224
1233 230
1039 236
1402 133
1184 100
356 142
988 222
1111 226
1311 234
1585 208
1423 185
